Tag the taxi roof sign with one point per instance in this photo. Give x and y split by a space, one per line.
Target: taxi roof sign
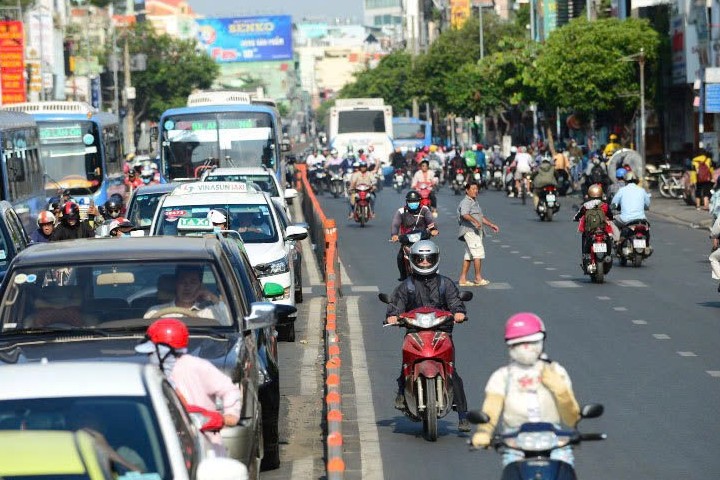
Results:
194 224
213 187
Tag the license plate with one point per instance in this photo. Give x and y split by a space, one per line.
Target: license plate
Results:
550 198
600 248
639 243
477 176
497 174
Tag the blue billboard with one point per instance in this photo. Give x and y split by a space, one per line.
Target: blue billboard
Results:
247 39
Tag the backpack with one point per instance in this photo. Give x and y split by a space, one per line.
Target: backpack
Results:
470 159
703 173
410 286
594 218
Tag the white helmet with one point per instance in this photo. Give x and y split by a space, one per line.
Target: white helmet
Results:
422 252
216 216
513 149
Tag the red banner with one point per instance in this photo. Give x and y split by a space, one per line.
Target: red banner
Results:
12 62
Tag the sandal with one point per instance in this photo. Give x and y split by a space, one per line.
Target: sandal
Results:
482 283
467 284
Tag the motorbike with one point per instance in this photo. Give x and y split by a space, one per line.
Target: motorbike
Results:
407 240
399 179
458 181
424 189
477 174
564 183
635 246
537 440
379 180
599 261
318 179
361 212
547 205
428 356
497 178
436 167
336 185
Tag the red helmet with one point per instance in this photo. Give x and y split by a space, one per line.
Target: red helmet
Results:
524 327
168 331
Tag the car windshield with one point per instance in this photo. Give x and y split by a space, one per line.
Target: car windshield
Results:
263 182
127 423
142 208
408 131
254 222
113 296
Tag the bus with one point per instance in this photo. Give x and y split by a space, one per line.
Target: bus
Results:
411 133
357 123
22 182
80 148
220 129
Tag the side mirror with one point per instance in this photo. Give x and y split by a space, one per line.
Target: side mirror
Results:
593 410
290 193
477 417
284 311
465 296
273 290
293 232
383 297
302 225
221 468
285 146
262 315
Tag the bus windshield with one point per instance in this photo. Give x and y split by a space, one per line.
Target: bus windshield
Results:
227 139
408 131
361 121
70 152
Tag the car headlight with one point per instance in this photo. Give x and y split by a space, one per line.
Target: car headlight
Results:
273 268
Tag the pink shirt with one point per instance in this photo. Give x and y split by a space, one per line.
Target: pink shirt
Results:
200 383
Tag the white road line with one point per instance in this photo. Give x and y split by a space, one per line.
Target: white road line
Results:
640 322
495 240
564 284
538 263
498 286
364 288
620 309
566 276
307 290
308 369
369 441
344 277
687 354
631 283
525 257
713 373
550 269
603 298
661 336
515 252
504 246
303 468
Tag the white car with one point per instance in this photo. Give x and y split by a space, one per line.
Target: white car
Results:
270 246
132 406
260 177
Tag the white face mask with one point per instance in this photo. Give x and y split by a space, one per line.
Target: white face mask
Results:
526 353
164 358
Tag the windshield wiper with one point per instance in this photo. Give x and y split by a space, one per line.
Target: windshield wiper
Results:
69 331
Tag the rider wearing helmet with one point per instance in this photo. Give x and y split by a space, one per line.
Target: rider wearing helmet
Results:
46 226
619 182
631 200
427 288
120 227
198 382
529 389
71 227
543 177
596 198
427 177
218 219
112 208
612 146
361 176
406 219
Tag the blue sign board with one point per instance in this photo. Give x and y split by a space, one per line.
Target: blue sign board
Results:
247 39
712 98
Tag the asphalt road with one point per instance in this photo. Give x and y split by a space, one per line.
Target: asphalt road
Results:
644 344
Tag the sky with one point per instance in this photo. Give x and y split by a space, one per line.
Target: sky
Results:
297 8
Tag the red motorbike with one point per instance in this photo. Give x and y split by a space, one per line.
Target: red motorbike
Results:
428 356
362 212
600 261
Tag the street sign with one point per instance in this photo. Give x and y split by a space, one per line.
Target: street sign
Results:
712 98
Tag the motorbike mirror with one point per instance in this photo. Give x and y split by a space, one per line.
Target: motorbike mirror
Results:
593 410
477 417
384 297
465 296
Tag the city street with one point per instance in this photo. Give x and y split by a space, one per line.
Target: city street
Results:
644 344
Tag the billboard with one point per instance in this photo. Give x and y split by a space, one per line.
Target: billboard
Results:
12 62
247 39
459 12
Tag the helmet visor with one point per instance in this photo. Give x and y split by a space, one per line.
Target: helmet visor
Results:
424 260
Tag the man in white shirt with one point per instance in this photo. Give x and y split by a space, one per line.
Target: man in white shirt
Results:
523 165
190 295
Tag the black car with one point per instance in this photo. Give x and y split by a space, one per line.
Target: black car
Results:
93 299
13 237
143 203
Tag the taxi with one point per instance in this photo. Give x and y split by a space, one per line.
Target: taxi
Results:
251 213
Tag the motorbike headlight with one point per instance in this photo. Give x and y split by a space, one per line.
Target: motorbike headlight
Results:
425 320
536 441
273 268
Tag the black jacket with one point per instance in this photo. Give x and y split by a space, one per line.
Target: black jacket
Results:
427 294
64 232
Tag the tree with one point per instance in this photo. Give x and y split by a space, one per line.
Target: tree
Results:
174 69
591 77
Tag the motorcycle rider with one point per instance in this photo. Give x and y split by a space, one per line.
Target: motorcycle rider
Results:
596 174
529 389
120 227
70 227
362 176
46 226
411 217
426 176
523 166
544 176
426 287
612 146
595 199
619 182
632 201
112 208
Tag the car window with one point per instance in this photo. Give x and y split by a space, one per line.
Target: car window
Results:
142 209
16 225
114 295
5 251
262 182
254 222
128 424
183 428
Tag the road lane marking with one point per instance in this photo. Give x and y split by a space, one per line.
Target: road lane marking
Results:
603 298
364 288
303 468
310 267
344 277
620 309
640 322
661 336
367 427
504 246
550 269
687 354
713 373
515 252
566 276
563 284
308 369
538 263
498 286
526 257
631 283
495 240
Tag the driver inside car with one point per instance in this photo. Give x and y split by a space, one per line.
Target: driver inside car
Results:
191 296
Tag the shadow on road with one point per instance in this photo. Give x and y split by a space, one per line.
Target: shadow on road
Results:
403 425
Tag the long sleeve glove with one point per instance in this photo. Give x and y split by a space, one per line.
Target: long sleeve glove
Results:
564 397
492 407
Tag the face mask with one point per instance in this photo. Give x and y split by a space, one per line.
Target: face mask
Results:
114 213
146 180
217 229
526 353
413 205
163 358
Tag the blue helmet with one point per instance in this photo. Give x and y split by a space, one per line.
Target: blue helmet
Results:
620 173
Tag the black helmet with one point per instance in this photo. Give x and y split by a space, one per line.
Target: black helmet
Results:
70 211
412 196
54 204
113 207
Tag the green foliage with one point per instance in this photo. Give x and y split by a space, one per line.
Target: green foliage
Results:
174 69
322 112
591 76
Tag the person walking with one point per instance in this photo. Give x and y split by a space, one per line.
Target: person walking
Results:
471 220
702 176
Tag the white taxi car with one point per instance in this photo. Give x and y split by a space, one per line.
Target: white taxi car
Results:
250 213
260 177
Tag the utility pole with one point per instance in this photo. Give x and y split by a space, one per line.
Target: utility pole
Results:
640 58
482 41
128 97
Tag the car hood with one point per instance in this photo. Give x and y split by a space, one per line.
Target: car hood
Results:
259 253
101 348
